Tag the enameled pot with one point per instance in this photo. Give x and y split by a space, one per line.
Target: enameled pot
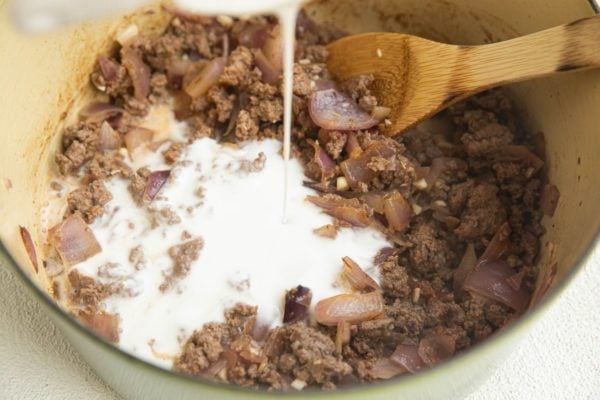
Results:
44 79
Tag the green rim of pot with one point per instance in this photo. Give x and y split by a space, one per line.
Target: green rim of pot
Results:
505 336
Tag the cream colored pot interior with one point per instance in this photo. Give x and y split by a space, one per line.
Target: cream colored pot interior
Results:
45 78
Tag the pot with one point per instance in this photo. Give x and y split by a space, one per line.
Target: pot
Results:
45 80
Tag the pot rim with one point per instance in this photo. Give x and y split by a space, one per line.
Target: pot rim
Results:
505 335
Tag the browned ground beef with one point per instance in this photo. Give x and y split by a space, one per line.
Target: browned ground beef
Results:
480 187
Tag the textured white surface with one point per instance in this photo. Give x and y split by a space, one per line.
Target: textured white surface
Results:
560 358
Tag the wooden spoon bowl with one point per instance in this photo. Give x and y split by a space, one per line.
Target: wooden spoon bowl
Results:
417 77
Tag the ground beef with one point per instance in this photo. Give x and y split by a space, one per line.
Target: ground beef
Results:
484 133
333 142
358 89
104 165
303 84
183 255
246 127
483 214
79 144
430 253
202 348
137 185
172 153
394 278
308 355
86 292
137 257
464 202
239 67
89 201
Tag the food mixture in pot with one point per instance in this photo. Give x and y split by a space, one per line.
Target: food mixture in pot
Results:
164 230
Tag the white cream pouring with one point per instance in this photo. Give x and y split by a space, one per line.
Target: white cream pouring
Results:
249 256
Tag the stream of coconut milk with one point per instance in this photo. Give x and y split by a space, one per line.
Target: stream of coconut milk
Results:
287 13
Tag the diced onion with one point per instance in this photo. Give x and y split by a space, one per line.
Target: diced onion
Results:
156 181
74 240
29 247
334 110
397 211
108 138
198 84
407 356
352 308
137 137
356 170
138 71
358 279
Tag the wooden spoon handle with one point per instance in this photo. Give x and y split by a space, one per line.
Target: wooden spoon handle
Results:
568 47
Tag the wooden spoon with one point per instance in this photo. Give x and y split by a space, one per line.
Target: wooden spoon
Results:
416 77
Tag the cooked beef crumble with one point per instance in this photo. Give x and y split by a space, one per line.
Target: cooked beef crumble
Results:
463 178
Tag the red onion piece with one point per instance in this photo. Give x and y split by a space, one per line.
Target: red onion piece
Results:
138 71
549 199
384 368
352 147
397 211
270 74
29 247
108 67
354 216
516 280
407 356
324 84
323 161
331 109
435 348
156 181
374 200
74 240
273 47
490 280
348 210
352 308
358 279
260 330
103 324
198 84
108 138
136 137
383 254
304 24
297 302
98 112
254 36
466 266
357 169
497 246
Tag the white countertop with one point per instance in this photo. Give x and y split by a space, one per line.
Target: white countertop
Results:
560 358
